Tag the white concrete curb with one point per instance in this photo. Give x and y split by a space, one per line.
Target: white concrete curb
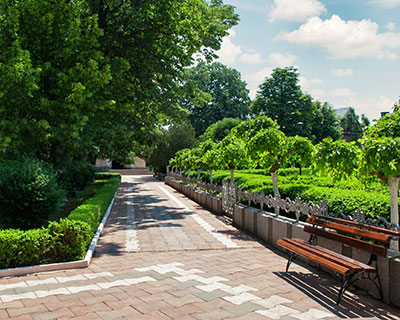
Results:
62 265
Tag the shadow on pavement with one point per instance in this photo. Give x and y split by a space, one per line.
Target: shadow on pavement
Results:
324 290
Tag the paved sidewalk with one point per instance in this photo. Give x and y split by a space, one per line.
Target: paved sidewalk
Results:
161 256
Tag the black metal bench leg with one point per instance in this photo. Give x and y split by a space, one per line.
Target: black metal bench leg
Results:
377 285
346 283
292 256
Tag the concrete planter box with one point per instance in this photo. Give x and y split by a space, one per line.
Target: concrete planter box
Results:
238 215
217 205
264 226
203 199
209 203
281 228
270 228
250 220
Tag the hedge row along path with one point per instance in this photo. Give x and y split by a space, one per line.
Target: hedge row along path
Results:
161 256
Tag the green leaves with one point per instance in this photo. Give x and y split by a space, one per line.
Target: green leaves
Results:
339 158
228 95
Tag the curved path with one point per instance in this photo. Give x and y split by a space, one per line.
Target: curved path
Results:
161 256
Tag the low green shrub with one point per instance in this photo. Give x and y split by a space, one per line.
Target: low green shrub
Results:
373 204
346 195
62 241
29 192
75 175
93 209
68 240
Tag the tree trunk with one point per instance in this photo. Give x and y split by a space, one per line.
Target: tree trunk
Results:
198 174
276 189
188 174
211 176
275 183
394 205
232 176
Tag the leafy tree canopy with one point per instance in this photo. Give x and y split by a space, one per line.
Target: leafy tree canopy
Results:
228 94
220 129
325 123
88 78
168 142
280 98
381 148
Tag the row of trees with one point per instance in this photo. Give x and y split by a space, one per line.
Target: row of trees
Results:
221 93
259 143
219 101
94 78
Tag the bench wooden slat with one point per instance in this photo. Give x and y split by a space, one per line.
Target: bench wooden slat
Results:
325 262
356 231
364 226
351 265
333 254
357 243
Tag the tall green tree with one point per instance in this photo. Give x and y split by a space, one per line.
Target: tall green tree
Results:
168 141
280 98
381 154
147 45
51 79
228 94
352 127
325 123
220 129
88 78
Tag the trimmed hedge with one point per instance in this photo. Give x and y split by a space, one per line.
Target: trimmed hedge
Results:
345 196
93 209
75 175
66 240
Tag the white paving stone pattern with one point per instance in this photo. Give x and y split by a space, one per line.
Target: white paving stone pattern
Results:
228 243
273 307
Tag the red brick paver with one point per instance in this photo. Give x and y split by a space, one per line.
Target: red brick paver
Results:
161 256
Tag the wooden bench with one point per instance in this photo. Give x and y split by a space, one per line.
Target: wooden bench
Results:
373 240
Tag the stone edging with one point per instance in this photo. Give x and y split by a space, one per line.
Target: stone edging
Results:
62 265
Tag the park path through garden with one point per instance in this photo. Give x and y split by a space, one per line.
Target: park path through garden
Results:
161 256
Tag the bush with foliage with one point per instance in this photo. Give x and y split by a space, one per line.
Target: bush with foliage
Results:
29 192
93 209
345 195
75 175
62 241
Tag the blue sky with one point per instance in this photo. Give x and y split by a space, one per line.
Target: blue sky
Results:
347 52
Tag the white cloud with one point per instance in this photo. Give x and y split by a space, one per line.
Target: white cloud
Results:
299 10
387 4
391 26
342 72
306 84
259 76
370 106
281 59
255 79
345 39
343 97
344 92
251 57
229 52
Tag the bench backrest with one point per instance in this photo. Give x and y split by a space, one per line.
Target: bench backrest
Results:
372 239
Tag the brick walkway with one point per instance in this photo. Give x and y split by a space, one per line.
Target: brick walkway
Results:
161 256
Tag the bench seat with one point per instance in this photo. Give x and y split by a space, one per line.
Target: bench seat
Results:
371 239
322 256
